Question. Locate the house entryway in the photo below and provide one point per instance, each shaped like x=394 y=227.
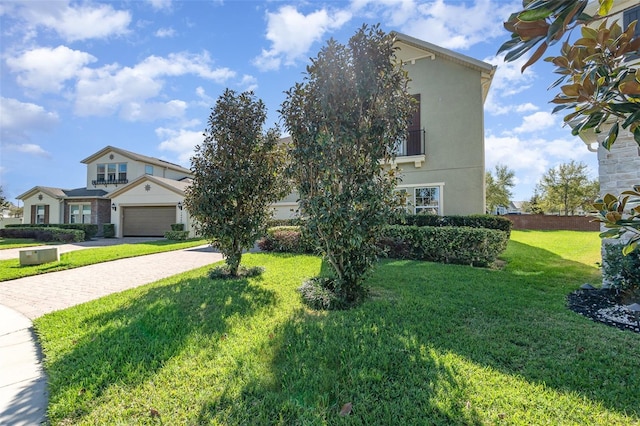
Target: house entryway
x=147 y=221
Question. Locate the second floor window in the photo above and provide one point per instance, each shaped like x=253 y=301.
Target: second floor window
x=101 y=172
x=122 y=171
x=111 y=172
x=148 y=169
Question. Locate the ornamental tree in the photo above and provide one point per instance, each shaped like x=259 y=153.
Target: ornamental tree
x=567 y=187
x=346 y=120
x=238 y=173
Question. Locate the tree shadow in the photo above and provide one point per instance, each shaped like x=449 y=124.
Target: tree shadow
x=134 y=341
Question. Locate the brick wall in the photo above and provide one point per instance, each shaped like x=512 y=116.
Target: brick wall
x=544 y=222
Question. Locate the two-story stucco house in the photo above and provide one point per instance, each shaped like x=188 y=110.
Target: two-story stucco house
x=442 y=160
x=141 y=195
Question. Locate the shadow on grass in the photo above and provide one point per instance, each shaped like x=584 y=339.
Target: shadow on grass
x=410 y=354
x=131 y=343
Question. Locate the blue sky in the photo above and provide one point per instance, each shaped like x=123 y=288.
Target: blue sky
x=143 y=76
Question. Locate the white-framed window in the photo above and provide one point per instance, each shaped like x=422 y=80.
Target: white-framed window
x=40 y=214
x=148 y=169
x=427 y=200
x=80 y=213
x=122 y=171
x=111 y=172
x=101 y=172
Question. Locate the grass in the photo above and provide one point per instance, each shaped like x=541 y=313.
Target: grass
x=12 y=243
x=435 y=344
x=11 y=269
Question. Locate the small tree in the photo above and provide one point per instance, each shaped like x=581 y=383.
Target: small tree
x=346 y=121
x=498 y=187
x=533 y=206
x=567 y=187
x=238 y=173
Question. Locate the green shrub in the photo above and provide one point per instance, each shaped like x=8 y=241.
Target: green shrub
x=272 y=223
x=90 y=230
x=44 y=234
x=473 y=221
x=446 y=244
x=108 y=230
x=622 y=272
x=285 y=239
x=177 y=226
x=176 y=235
x=223 y=272
x=318 y=294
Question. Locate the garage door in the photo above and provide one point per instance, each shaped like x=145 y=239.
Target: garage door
x=147 y=221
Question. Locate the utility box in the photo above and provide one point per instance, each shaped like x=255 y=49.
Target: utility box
x=39 y=256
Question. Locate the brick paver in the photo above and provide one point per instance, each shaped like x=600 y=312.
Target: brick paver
x=40 y=294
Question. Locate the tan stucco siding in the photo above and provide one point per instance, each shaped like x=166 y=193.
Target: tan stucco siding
x=55 y=207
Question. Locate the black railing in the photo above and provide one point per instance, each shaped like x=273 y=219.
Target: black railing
x=109 y=182
x=413 y=145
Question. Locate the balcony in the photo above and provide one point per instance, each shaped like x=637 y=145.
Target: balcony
x=109 y=182
x=413 y=145
x=412 y=149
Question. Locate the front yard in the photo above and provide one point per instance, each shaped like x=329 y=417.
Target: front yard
x=435 y=344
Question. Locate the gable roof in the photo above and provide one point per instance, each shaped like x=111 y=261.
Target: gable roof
x=61 y=194
x=430 y=50
x=137 y=157
x=177 y=186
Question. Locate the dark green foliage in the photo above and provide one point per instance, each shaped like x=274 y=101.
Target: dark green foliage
x=90 y=230
x=473 y=221
x=272 y=223
x=286 y=239
x=223 y=272
x=176 y=235
x=44 y=234
x=108 y=230
x=319 y=293
x=237 y=175
x=345 y=122
x=446 y=244
x=177 y=226
x=623 y=272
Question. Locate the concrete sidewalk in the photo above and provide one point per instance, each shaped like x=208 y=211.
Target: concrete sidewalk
x=23 y=398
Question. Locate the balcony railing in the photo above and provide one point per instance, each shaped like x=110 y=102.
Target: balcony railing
x=413 y=145
x=109 y=182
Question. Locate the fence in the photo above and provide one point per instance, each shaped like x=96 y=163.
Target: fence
x=546 y=222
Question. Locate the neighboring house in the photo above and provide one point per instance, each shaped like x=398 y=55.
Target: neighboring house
x=140 y=195
x=514 y=207
x=442 y=159
x=619 y=168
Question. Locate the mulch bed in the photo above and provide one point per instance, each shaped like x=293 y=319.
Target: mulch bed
x=607 y=306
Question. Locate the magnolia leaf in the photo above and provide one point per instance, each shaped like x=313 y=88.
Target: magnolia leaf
x=536 y=55
x=531 y=15
x=588 y=32
x=571 y=89
x=630 y=87
x=611 y=233
x=605 y=7
x=611 y=137
x=626 y=250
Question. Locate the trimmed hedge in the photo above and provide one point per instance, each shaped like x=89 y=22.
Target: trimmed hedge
x=90 y=230
x=108 y=230
x=176 y=235
x=285 y=239
x=44 y=234
x=177 y=226
x=444 y=244
x=472 y=221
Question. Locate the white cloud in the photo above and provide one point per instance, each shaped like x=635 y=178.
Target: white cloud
x=136 y=111
x=535 y=122
x=528 y=107
x=45 y=69
x=292 y=33
x=160 y=4
x=30 y=149
x=18 y=119
x=105 y=90
x=165 y=33
x=75 y=22
x=181 y=142
x=507 y=81
x=248 y=83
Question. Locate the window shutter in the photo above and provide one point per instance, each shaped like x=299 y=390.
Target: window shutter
x=46 y=214
x=33 y=214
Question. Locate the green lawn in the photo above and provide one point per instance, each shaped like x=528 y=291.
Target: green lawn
x=11 y=243
x=436 y=344
x=11 y=269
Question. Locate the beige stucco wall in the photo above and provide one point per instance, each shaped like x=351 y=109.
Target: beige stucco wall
x=55 y=207
x=135 y=169
x=157 y=195
x=452 y=115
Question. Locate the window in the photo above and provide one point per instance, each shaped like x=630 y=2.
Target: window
x=40 y=215
x=148 y=169
x=628 y=17
x=111 y=172
x=80 y=213
x=427 y=200
x=122 y=171
x=101 y=172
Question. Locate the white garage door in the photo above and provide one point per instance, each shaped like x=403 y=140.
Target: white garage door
x=147 y=221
